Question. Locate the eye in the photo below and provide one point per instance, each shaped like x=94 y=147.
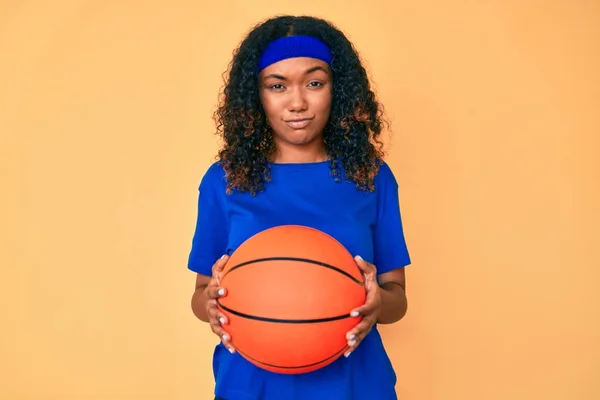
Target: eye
x=276 y=86
x=315 y=84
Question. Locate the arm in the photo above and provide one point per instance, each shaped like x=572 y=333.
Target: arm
x=209 y=241
x=385 y=303
x=391 y=253
x=393 y=296
x=204 y=301
x=207 y=290
x=385 y=282
x=199 y=298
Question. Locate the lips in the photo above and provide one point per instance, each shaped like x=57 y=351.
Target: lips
x=298 y=123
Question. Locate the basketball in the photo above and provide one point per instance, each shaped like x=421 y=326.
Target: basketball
x=290 y=291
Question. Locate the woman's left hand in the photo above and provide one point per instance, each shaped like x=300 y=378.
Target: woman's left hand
x=370 y=310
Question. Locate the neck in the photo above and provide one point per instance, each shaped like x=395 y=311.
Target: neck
x=300 y=154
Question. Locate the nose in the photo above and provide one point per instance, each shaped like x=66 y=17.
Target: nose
x=297 y=100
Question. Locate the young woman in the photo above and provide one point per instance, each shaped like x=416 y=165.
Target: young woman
x=300 y=128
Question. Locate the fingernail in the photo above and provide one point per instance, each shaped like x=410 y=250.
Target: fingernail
x=231 y=350
x=351 y=343
x=359 y=257
x=221 y=292
x=354 y=314
x=223 y=256
x=225 y=337
x=222 y=321
x=347 y=354
x=351 y=336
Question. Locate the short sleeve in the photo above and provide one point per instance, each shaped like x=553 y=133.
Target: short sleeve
x=209 y=241
x=390 y=249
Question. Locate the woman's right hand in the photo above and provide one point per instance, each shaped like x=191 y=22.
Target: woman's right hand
x=214 y=291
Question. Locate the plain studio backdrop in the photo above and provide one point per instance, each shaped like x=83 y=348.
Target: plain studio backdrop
x=105 y=118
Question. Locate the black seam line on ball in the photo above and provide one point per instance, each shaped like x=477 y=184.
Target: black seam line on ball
x=283 y=321
x=299 y=259
x=295 y=366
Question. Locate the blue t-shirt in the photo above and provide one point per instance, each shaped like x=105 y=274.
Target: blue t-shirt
x=366 y=223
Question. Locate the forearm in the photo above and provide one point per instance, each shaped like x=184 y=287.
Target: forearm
x=393 y=303
x=199 y=299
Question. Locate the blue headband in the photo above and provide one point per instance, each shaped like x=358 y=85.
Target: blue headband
x=294 y=46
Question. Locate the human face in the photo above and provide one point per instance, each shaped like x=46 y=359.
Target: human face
x=296 y=96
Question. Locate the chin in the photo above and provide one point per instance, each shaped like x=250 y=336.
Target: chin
x=301 y=141
x=299 y=137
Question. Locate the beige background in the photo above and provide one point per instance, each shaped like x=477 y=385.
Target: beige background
x=105 y=117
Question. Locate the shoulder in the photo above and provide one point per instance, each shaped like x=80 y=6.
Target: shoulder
x=385 y=177
x=213 y=184
x=214 y=177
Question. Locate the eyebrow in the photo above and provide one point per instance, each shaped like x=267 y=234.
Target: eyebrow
x=308 y=71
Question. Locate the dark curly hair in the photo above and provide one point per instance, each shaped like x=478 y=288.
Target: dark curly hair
x=351 y=135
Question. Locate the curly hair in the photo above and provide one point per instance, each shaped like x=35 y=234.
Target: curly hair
x=351 y=134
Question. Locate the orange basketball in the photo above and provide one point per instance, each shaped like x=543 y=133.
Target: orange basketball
x=290 y=291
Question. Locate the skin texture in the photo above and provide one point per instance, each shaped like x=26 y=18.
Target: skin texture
x=291 y=90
